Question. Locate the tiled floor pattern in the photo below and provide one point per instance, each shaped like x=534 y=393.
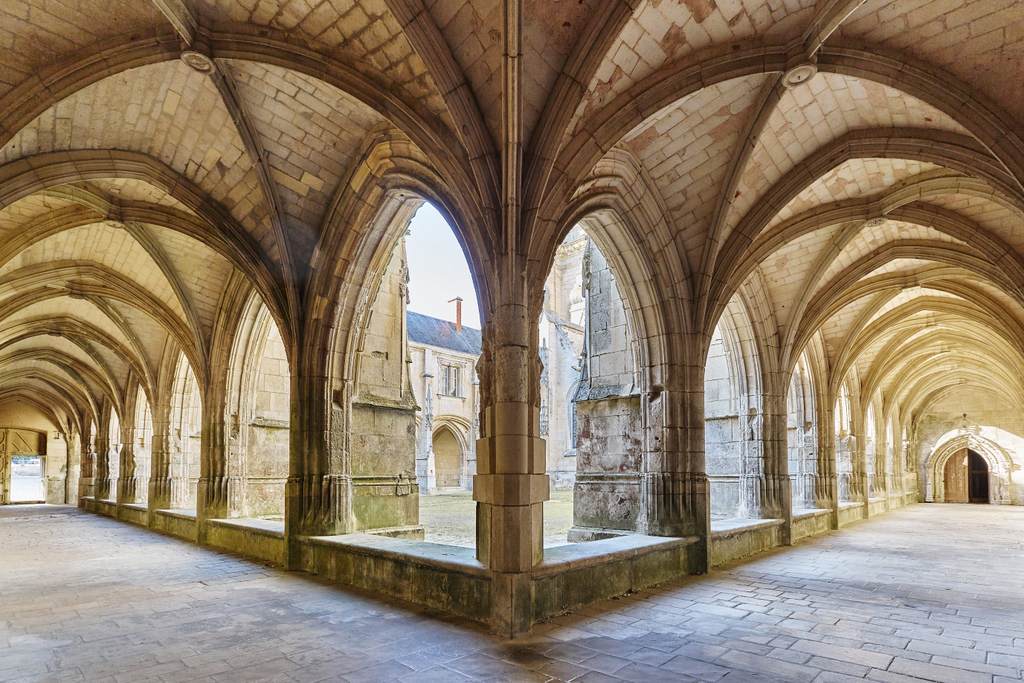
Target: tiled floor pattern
x=931 y=592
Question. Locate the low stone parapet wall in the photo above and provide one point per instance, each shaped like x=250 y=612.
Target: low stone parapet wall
x=575 y=575
x=177 y=523
x=811 y=522
x=443 y=577
x=850 y=512
x=735 y=538
x=257 y=538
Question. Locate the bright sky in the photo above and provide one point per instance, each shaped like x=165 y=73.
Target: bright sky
x=438 y=270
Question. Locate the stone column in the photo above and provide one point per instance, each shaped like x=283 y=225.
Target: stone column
x=859 y=459
x=511 y=483
x=318 y=495
x=777 y=489
x=126 y=476
x=161 y=480
x=675 y=492
x=74 y=464
x=101 y=488
x=87 y=478
x=214 y=488
x=826 y=490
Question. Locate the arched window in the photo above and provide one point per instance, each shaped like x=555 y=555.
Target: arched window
x=259 y=414
x=845 y=444
x=874 y=468
x=590 y=382
x=141 y=449
x=801 y=433
x=113 y=454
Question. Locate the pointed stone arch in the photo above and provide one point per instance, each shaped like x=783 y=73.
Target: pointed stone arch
x=998 y=460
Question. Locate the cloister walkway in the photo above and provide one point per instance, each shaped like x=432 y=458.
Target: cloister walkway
x=929 y=592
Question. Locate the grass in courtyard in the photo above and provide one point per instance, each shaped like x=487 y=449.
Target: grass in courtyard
x=450 y=518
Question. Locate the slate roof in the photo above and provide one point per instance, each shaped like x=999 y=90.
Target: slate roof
x=437 y=332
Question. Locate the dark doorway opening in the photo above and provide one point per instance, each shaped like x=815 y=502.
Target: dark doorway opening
x=977 y=478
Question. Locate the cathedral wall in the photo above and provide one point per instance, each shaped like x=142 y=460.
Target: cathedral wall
x=385 y=495
x=266 y=466
x=723 y=433
x=609 y=418
x=609 y=458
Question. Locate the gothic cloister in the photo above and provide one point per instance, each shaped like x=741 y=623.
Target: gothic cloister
x=802 y=294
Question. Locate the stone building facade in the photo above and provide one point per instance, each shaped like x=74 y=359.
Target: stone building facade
x=443 y=355
x=580 y=295
x=812 y=211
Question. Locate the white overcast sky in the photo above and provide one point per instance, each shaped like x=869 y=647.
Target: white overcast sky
x=438 y=270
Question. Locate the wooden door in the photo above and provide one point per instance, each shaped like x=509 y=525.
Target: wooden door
x=956 y=478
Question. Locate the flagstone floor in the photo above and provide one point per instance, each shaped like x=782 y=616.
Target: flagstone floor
x=926 y=593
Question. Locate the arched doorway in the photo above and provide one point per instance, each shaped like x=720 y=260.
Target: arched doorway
x=966 y=478
x=447 y=458
x=977 y=478
x=22 y=466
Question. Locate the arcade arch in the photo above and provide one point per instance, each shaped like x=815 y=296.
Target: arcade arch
x=957 y=451
x=812 y=214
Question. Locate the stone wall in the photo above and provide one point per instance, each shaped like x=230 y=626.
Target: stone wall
x=723 y=432
x=609 y=460
x=266 y=465
x=609 y=418
x=385 y=493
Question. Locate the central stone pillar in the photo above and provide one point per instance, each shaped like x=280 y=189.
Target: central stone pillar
x=511 y=483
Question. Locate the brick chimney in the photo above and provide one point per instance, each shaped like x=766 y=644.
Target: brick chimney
x=458 y=312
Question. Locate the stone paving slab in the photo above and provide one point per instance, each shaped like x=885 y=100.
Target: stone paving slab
x=926 y=593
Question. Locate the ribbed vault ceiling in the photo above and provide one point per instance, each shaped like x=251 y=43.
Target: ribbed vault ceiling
x=876 y=205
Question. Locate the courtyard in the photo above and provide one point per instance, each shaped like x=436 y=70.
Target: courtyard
x=450 y=518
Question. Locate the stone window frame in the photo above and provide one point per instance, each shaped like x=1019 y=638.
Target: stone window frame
x=445 y=367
